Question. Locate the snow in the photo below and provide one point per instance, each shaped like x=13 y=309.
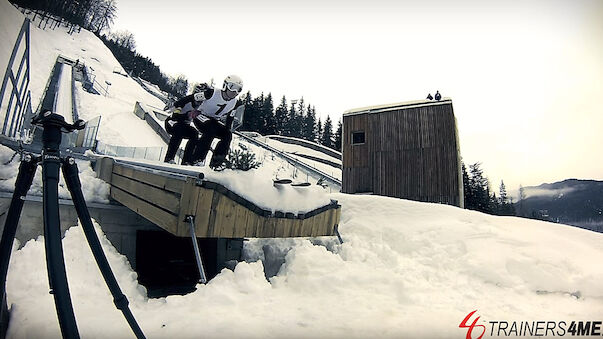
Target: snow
x=406 y=269
x=93 y=188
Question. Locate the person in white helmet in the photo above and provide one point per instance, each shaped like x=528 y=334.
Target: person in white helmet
x=215 y=120
x=178 y=125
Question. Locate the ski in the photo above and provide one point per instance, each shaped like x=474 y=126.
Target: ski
x=301 y=184
x=279 y=182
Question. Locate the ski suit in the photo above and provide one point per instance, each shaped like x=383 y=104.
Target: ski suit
x=213 y=109
x=179 y=126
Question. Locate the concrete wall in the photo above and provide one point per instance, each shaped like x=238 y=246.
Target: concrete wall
x=119 y=223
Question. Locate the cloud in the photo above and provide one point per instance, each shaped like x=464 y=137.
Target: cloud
x=542 y=192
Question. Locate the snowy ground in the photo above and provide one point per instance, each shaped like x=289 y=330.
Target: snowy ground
x=406 y=269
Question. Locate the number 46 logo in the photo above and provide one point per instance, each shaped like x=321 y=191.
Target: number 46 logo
x=472 y=326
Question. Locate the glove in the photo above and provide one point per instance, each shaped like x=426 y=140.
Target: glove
x=193 y=114
x=200 y=87
x=176 y=110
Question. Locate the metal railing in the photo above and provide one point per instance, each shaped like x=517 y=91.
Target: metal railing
x=19 y=86
x=148 y=153
x=298 y=164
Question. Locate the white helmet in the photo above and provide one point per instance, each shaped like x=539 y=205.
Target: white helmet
x=233 y=83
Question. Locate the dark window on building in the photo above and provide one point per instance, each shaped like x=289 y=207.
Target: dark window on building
x=357 y=137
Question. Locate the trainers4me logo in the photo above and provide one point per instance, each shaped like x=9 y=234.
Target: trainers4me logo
x=473 y=326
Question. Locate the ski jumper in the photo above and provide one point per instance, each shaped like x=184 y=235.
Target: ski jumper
x=179 y=126
x=213 y=109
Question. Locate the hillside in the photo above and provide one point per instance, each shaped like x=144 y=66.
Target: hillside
x=572 y=201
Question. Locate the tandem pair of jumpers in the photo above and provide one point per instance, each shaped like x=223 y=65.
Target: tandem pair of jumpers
x=206 y=108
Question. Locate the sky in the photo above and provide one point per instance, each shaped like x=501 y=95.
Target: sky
x=525 y=77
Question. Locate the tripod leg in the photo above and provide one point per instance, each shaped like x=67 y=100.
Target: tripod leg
x=70 y=173
x=55 y=261
x=27 y=171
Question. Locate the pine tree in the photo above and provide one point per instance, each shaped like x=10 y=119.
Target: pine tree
x=467 y=191
x=506 y=205
x=281 y=117
x=268 y=117
x=291 y=127
x=318 y=131
x=179 y=84
x=480 y=187
x=327 y=133
x=308 y=126
x=258 y=121
x=250 y=112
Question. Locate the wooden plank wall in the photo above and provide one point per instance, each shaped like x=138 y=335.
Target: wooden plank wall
x=217 y=216
x=410 y=153
x=166 y=201
x=155 y=197
x=356 y=167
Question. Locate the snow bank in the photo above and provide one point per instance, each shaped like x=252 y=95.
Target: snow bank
x=93 y=188
x=259 y=189
x=406 y=269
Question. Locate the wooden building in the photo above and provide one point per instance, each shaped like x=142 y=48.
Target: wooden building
x=406 y=150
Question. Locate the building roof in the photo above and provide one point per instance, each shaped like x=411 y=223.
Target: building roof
x=397 y=106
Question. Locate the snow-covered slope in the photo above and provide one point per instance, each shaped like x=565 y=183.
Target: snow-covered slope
x=119 y=126
x=406 y=269
x=296 y=150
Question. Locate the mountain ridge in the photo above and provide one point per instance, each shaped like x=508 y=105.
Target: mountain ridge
x=577 y=202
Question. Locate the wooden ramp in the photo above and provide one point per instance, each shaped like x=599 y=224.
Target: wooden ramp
x=166 y=197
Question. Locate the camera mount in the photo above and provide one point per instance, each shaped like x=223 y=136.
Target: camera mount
x=54 y=126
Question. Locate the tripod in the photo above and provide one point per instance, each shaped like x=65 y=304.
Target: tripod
x=54 y=125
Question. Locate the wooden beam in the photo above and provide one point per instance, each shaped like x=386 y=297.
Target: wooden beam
x=156 y=196
x=189 y=198
x=203 y=211
x=154 y=214
x=160 y=181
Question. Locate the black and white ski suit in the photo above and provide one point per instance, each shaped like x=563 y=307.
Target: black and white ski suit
x=178 y=125
x=213 y=110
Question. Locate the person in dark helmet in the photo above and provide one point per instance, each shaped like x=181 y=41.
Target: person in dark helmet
x=178 y=125
x=215 y=120
x=438 y=96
